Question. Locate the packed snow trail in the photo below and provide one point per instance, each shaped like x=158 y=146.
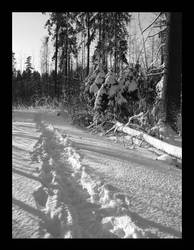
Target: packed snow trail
x=88 y=187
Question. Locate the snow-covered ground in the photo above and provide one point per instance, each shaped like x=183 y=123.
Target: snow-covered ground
x=68 y=183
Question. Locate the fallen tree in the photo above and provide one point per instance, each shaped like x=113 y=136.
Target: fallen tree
x=161 y=145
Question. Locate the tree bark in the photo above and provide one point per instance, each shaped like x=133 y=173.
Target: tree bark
x=56 y=57
x=100 y=35
x=115 y=43
x=104 y=41
x=174 y=81
x=153 y=46
x=88 y=43
x=83 y=55
x=66 y=55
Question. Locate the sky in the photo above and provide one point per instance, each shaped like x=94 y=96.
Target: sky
x=27 y=32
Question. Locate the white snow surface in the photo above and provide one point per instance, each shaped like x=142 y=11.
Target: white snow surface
x=61 y=189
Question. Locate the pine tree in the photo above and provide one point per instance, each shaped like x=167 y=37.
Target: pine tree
x=13 y=64
x=53 y=25
x=112 y=37
x=86 y=24
x=28 y=64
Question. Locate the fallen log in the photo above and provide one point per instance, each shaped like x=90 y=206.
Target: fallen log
x=161 y=145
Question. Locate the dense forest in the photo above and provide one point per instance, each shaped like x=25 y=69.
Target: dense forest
x=105 y=71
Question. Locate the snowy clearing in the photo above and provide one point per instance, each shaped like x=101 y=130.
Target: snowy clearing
x=70 y=184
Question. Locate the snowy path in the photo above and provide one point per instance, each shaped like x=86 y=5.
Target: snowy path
x=87 y=186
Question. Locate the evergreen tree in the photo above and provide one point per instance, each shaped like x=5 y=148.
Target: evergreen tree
x=112 y=37
x=64 y=34
x=13 y=64
x=86 y=23
x=28 y=64
x=53 y=25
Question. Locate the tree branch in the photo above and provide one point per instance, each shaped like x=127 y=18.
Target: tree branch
x=156 y=33
x=142 y=47
x=152 y=22
x=161 y=45
x=154 y=74
x=143 y=41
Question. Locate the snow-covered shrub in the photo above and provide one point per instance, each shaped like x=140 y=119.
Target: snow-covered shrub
x=118 y=96
x=128 y=92
x=121 y=97
x=92 y=84
x=106 y=92
x=97 y=82
x=128 y=80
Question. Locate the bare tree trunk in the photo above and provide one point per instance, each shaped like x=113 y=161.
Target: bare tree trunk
x=174 y=81
x=162 y=34
x=115 y=43
x=83 y=55
x=77 y=63
x=104 y=41
x=129 y=48
x=66 y=58
x=88 y=43
x=143 y=40
x=100 y=36
x=56 y=61
x=69 y=66
x=153 y=45
x=111 y=61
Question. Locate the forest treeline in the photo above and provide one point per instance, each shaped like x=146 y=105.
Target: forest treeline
x=99 y=68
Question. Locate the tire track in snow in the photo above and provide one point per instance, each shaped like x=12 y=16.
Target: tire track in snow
x=75 y=204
